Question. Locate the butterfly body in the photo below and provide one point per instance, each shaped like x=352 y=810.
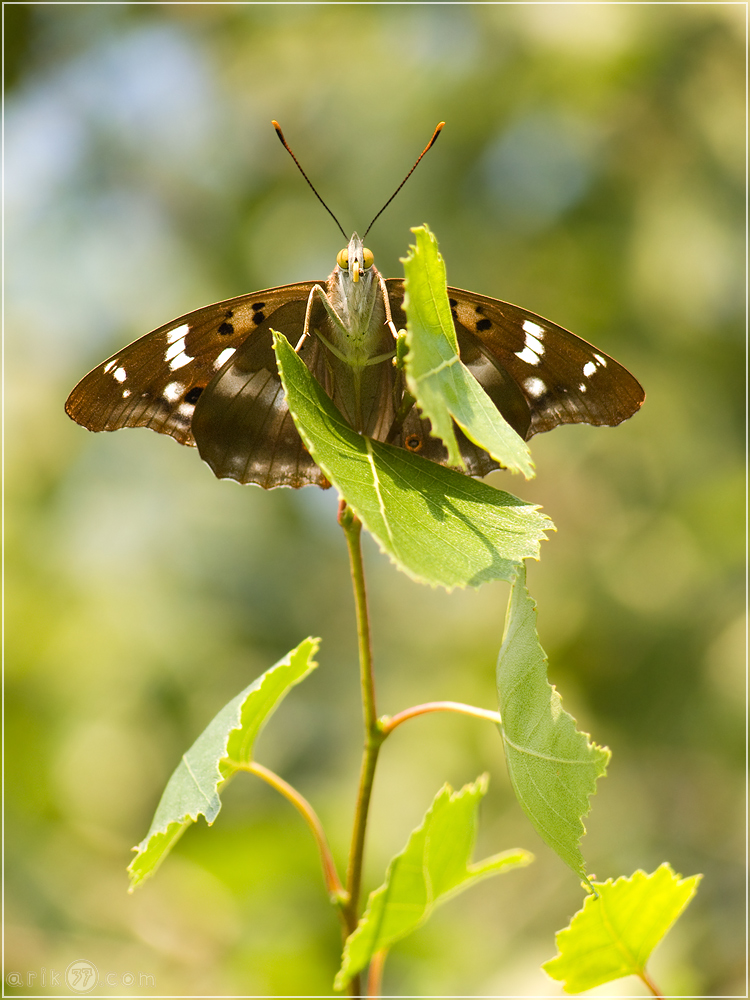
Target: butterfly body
x=209 y=378
x=358 y=337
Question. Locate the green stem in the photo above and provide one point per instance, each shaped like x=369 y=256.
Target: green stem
x=352 y=527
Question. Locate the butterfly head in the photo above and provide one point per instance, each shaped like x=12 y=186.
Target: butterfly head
x=355 y=259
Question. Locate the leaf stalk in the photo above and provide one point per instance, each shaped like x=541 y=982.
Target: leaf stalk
x=335 y=889
x=389 y=723
x=650 y=984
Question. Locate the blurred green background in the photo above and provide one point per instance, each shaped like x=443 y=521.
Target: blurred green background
x=592 y=170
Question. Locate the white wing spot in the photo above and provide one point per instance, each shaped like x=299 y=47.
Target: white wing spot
x=533 y=344
x=176 y=348
x=179 y=361
x=582 y=387
x=533 y=328
x=178 y=333
x=588 y=369
x=173 y=391
x=110 y=365
x=535 y=387
x=125 y=393
x=529 y=356
x=225 y=355
x=602 y=361
x=120 y=374
x=186 y=409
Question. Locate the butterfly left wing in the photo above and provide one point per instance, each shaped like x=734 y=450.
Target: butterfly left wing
x=538 y=374
x=156 y=381
x=564 y=379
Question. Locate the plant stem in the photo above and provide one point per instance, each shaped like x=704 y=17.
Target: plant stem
x=352 y=528
x=652 y=987
x=375 y=973
x=333 y=883
x=389 y=724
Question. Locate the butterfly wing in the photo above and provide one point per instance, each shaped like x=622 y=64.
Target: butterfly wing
x=209 y=378
x=564 y=379
x=538 y=374
x=156 y=381
x=415 y=432
x=242 y=425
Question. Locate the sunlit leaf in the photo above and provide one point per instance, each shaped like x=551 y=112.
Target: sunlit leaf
x=433 y=867
x=223 y=747
x=445 y=390
x=616 y=931
x=437 y=525
x=553 y=766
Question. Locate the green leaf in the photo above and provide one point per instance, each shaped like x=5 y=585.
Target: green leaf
x=445 y=390
x=220 y=751
x=433 y=867
x=553 y=767
x=616 y=931
x=439 y=526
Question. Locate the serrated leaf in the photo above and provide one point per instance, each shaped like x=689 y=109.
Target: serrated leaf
x=438 y=526
x=553 y=767
x=223 y=747
x=445 y=390
x=433 y=867
x=615 y=932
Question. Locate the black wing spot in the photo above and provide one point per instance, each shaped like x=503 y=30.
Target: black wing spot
x=226 y=329
x=454 y=314
x=413 y=442
x=258 y=318
x=484 y=324
x=257 y=306
x=479 y=310
x=229 y=313
x=453 y=303
x=194 y=394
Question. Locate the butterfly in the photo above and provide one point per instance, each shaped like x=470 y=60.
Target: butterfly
x=209 y=378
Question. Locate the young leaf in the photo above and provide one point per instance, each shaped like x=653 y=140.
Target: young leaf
x=433 y=867
x=616 y=931
x=438 y=526
x=222 y=748
x=445 y=390
x=553 y=767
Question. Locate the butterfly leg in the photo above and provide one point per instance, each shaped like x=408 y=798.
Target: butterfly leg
x=308 y=312
x=386 y=302
x=334 y=316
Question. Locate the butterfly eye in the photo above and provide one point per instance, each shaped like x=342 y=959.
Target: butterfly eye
x=369 y=260
x=342 y=259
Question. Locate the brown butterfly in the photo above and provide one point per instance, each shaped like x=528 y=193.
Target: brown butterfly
x=209 y=378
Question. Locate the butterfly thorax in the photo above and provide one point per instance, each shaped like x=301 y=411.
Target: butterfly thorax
x=360 y=344
x=356 y=297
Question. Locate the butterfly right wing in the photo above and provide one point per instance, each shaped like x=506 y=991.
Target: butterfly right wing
x=156 y=381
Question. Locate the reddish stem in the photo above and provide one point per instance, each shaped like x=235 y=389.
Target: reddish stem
x=375 y=973
x=389 y=724
x=332 y=880
x=650 y=984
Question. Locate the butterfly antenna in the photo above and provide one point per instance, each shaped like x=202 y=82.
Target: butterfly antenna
x=429 y=145
x=288 y=148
